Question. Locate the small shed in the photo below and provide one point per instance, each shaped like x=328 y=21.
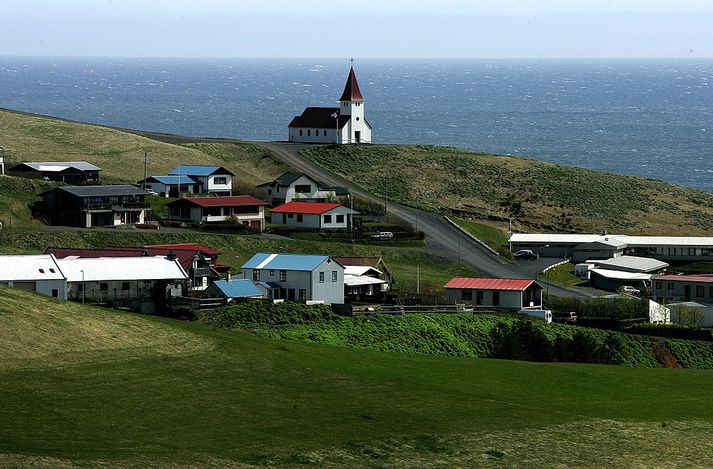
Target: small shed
x=503 y=293
x=233 y=289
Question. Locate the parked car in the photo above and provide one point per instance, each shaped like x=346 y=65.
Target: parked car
x=543 y=314
x=629 y=290
x=524 y=254
x=566 y=318
x=383 y=235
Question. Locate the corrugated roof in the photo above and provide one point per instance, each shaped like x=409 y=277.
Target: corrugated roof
x=620 y=275
x=198 y=170
x=29 y=268
x=360 y=270
x=310 y=208
x=185 y=257
x=554 y=238
x=319 y=118
x=686 y=278
x=633 y=263
x=105 y=190
x=351 y=88
x=699 y=241
x=301 y=262
x=121 y=268
x=172 y=179
x=238 y=288
x=57 y=166
x=224 y=201
x=509 y=284
x=630 y=241
x=356 y=280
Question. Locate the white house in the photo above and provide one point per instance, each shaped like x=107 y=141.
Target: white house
x=513 y=294
x=297 y=277
x=245 y=209
x=313 y=215
x=300 y=187
x=214 y=180
x=40 y=274
x=343 y=124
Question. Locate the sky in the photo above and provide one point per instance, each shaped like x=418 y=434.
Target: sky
x=364 y=29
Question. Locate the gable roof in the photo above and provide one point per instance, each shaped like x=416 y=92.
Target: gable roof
x=224 y=201
x=301 y=262
x=99 y=191
x=351 y=88
x=238 y=288
x=287 y=178
x=183 y=254
x=320 y=118
x=59 y=166
x=198 y=170
x=171 y=179
x=632 y=263
x=307 y=208
x=702 y=278
x=29 y=268
x=508 y=284
x=121 y=268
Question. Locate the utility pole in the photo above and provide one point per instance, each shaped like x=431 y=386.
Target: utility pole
x=143 y=185
x=84 y=288
x=418 y=279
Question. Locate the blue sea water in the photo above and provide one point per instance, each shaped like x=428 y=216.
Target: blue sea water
x=651 y=118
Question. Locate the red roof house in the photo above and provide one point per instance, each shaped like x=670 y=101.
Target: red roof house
x=312 y=215
x=244 y=209
x=501 y=293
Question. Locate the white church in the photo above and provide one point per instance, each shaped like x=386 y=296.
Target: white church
x=343 y=124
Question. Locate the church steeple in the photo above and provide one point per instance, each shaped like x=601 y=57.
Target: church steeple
x=351 y=89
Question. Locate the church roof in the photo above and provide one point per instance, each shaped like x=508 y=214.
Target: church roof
x=351 y=89
x=319 y=118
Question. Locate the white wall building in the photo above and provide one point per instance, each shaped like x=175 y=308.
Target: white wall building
x=40 y=274
x=300 y=187
x=321 y=216
x=345 y=124
x=214 y=180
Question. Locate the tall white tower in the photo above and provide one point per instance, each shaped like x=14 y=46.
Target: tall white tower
x=357 y=130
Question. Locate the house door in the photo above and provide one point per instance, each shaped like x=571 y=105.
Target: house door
x=357 y=136
x=687 y=293
x=291 y=294
x=284 y=218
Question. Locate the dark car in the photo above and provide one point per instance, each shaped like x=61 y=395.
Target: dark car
x=524 y=254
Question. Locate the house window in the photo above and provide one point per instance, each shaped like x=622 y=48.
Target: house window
x=272 y=273
x=334 y=276
x=670 y=285
x=300 y=218
x=300 y=132
x=256 y=275
x=103 y=286
x=283 y=276
x=328 y=219
x=303 y=188
x=321 y=277
x=479 y=297
x=466 y=295
x=659 y=285
x=125 y=286
x=220 y=180
x=700 y=291
x=496 y=298
x=290 y=215
x=302 y=294
x=55 y=293
x=340 y=218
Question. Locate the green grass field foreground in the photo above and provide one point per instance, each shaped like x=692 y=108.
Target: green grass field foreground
x=89 y=387
x=535 y=195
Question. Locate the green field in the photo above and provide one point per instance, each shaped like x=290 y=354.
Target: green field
x=490 y=235
x=535 y=195
x=88 y=387
x=562 y=275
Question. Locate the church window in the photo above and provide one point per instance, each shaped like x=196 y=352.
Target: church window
x=325 y=133
x=309 y=132
x=300 y=132
x=357 y=118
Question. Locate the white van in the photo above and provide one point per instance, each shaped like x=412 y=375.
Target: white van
x=543 y=314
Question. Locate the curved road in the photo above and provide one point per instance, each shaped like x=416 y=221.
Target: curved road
x=444 y=240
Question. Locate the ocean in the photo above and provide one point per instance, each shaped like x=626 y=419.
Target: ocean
x=650 y=118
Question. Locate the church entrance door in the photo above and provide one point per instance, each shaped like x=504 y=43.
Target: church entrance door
x=357 y=136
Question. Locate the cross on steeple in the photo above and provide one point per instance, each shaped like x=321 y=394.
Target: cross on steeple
x=352 y=60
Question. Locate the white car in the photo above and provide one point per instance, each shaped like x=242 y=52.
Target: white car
x=383 y=235
x=629 y=290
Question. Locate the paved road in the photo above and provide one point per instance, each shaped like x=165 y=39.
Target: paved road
x=444 y=240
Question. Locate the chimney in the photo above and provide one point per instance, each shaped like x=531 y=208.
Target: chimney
x=229 y=276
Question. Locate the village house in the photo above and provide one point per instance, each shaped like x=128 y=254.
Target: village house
x=365 y=278
x=171 y=186
x=69 y=172
x=690 y=291
x=313 y=215
x=213 y=180
x=300 y=187
x=501 y=293
x=143 y=284
x=244 y=209
x=232 y=290
x=89 y=206
x=297 y=277
x=612 y=274
x=38 y=273
x=200 y=262
x=343 y=124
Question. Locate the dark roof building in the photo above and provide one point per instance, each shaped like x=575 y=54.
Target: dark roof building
x=71 y=172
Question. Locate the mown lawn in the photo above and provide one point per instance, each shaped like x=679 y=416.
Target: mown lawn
x=135 y=391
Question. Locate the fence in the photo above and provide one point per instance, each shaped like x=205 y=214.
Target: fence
x=399 y=309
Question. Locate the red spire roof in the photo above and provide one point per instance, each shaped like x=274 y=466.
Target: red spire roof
x=351 y=89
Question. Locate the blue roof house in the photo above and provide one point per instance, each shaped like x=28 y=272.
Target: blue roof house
x=297 y=277
x=214 y=180
x=171 y=186
x=233 y=289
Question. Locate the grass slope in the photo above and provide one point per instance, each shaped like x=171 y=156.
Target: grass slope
x=132 y=395
x=536 y=195
x=15 y=196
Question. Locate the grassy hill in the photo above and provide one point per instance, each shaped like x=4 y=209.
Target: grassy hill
x=88 y=387
x=538 y=196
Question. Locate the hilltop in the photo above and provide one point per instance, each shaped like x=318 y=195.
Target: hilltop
x=535 y=195
x=159 y=392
